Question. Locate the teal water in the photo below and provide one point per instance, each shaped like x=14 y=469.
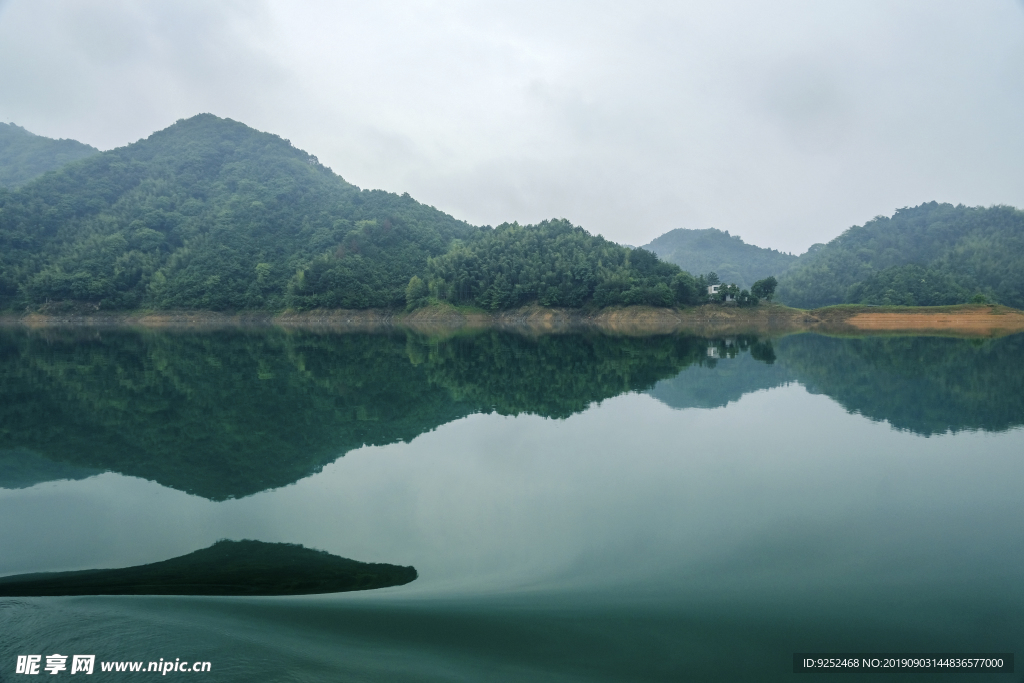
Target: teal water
x=578 y=507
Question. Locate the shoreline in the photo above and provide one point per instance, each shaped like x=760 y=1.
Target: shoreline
x=975 y=320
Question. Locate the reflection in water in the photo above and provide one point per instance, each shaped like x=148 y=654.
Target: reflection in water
x=227 y=415
x=629 y=538
x=230 y=414
x=927 y=385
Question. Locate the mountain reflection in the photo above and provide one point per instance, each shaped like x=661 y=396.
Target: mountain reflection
x=228 y=414
x=926 y=385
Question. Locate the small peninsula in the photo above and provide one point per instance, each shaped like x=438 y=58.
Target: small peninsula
x=225 y=568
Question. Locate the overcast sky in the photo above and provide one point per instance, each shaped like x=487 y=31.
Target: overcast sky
x=783 y=122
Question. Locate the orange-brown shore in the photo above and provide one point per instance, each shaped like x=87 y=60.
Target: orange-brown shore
x=974 y=320
x=966 y=320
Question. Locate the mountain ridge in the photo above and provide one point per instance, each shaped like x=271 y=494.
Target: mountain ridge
x=701 y=251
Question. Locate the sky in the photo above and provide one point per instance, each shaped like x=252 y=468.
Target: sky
x=783 y=122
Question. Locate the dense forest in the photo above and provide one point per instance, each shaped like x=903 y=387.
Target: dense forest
x=712 y=250
x=24 y=156
x=555 y=264
x=928 y=255
x=210 y=214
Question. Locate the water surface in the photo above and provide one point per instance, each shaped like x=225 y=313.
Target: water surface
x=578 y=507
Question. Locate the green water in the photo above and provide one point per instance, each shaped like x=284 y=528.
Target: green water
x=578 y=507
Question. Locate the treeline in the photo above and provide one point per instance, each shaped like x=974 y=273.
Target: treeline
x=932 y=254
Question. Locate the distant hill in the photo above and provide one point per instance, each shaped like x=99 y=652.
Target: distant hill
x=24 y=155
x=210 y=214
x=712 y=250
x=932 y=254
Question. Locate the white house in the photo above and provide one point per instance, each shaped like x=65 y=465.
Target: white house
x=713 y=289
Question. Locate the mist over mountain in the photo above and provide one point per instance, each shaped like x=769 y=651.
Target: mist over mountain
x=712 y=250
x=25 y=156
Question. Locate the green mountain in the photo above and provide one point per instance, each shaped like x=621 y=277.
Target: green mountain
x=24 y=155
x=932 y=254
x=211 y=214
x=712 y=250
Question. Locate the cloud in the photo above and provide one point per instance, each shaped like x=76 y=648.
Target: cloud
x=784 y=123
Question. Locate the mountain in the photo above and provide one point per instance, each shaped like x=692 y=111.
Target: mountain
x=932 y=254
x=210 y=214
x=24 y=155
x=712 y=250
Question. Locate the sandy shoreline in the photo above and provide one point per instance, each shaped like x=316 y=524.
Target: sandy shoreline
x=966 y=320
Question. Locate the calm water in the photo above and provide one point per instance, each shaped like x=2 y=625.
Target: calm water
x=579 y=507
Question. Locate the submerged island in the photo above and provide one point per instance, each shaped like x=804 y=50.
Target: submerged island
x=225 y=568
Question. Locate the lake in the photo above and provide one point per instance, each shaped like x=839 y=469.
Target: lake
x=578 y=507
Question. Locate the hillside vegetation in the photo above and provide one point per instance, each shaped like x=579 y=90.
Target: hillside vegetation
x=555 y=264
x=210 y=214
x=712 y=250
x=929 y=255
x=24 y=155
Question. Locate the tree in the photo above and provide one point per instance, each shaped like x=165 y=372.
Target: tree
x=415 y=293
x=764 y=289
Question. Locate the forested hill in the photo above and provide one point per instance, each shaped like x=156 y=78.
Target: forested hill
x=712 y=250
x=210 y=214
x=24 y=155
x=932 y=254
